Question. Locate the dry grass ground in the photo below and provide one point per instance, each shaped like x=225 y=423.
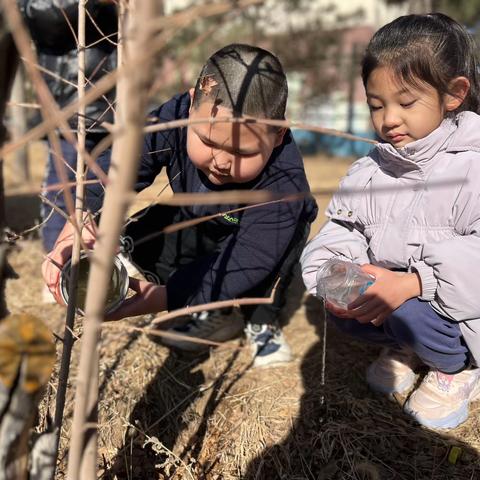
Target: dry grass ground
x=166 y=416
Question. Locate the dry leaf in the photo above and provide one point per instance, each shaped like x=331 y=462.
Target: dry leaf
x=207 y=83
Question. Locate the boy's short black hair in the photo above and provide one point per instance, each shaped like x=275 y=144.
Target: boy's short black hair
x=245 y=79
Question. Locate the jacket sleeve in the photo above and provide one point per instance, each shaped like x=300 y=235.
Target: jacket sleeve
x=162 y=148
x=335 y=239
x=48 y=22
x=449 y=269
x=342 y=235
x=240 y=264
x=156 y=153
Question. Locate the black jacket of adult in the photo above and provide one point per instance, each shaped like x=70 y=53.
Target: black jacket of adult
x=53 y=26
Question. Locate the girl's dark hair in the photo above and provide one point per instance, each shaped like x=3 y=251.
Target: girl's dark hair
x=245 y=79
x=429 y=48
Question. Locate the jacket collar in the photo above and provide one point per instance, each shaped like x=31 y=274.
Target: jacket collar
x=467 y=135
x=416 y=155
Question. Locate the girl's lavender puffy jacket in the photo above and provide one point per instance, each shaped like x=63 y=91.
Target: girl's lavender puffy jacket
x=415 y=208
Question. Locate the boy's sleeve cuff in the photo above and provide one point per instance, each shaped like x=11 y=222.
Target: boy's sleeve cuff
x=429 y=282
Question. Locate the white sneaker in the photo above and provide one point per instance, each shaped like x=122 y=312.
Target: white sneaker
x=214 y=325
x=268 y=345
x=393 y=371
x=442 y=401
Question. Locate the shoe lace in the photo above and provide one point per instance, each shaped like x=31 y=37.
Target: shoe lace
x=204 y=320
x=262 y=335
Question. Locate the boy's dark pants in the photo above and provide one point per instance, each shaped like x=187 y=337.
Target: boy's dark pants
x=160 y=255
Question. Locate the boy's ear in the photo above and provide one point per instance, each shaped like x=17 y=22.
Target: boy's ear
x=459 y=88
x=279 y=136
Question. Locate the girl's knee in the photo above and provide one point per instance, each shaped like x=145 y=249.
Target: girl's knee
x=409 y=322
x=365 y=332
x=401 y=328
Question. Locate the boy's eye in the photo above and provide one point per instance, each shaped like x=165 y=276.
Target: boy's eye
x=243 y=154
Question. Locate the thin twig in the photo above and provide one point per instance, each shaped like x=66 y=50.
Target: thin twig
x=50 y=111
x=79 y=200
x=107 y=82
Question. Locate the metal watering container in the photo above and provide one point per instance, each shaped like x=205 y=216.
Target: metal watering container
x=117 y=290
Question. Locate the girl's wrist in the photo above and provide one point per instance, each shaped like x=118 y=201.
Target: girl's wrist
x=412 y=285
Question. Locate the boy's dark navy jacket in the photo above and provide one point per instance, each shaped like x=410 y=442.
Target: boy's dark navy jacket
x=251 y=243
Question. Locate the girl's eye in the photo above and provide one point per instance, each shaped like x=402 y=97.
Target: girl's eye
x=374 y=108
x=408 y=104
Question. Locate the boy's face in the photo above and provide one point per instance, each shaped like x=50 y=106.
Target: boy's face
x=229 y=152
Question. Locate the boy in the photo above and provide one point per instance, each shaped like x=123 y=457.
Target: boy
x=236 y=255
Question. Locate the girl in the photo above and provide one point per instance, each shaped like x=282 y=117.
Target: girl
x=416 y=224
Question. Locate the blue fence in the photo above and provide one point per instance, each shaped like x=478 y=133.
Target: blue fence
x=311 y=143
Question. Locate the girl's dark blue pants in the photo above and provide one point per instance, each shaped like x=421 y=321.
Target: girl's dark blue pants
x=436 y=340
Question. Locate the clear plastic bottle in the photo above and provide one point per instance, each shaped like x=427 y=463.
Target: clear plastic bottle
x=341 y=282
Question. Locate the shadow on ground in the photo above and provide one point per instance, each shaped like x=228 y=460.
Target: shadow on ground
x=183 y=387
x=345 y=432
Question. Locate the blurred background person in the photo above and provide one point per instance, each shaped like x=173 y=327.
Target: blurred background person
x=53 y=25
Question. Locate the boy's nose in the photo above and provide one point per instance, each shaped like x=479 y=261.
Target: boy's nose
x=222 y=161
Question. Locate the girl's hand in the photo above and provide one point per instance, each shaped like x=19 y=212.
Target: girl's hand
x=389 y=291
x=149 y=298
x=61 y=253
x=337 y=311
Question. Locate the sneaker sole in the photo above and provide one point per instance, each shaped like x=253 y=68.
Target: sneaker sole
x=449 y=422
x=192 y=346
x=265 y=362
x=446 y=423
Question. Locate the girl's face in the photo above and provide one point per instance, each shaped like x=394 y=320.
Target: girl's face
x=402 y=113
x=229 y=152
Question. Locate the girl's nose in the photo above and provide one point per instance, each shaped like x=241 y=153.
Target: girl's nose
x=391 y=118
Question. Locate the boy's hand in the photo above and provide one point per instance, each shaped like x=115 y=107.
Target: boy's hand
x=390 y=290
x=149 y=298
x=61 y=253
